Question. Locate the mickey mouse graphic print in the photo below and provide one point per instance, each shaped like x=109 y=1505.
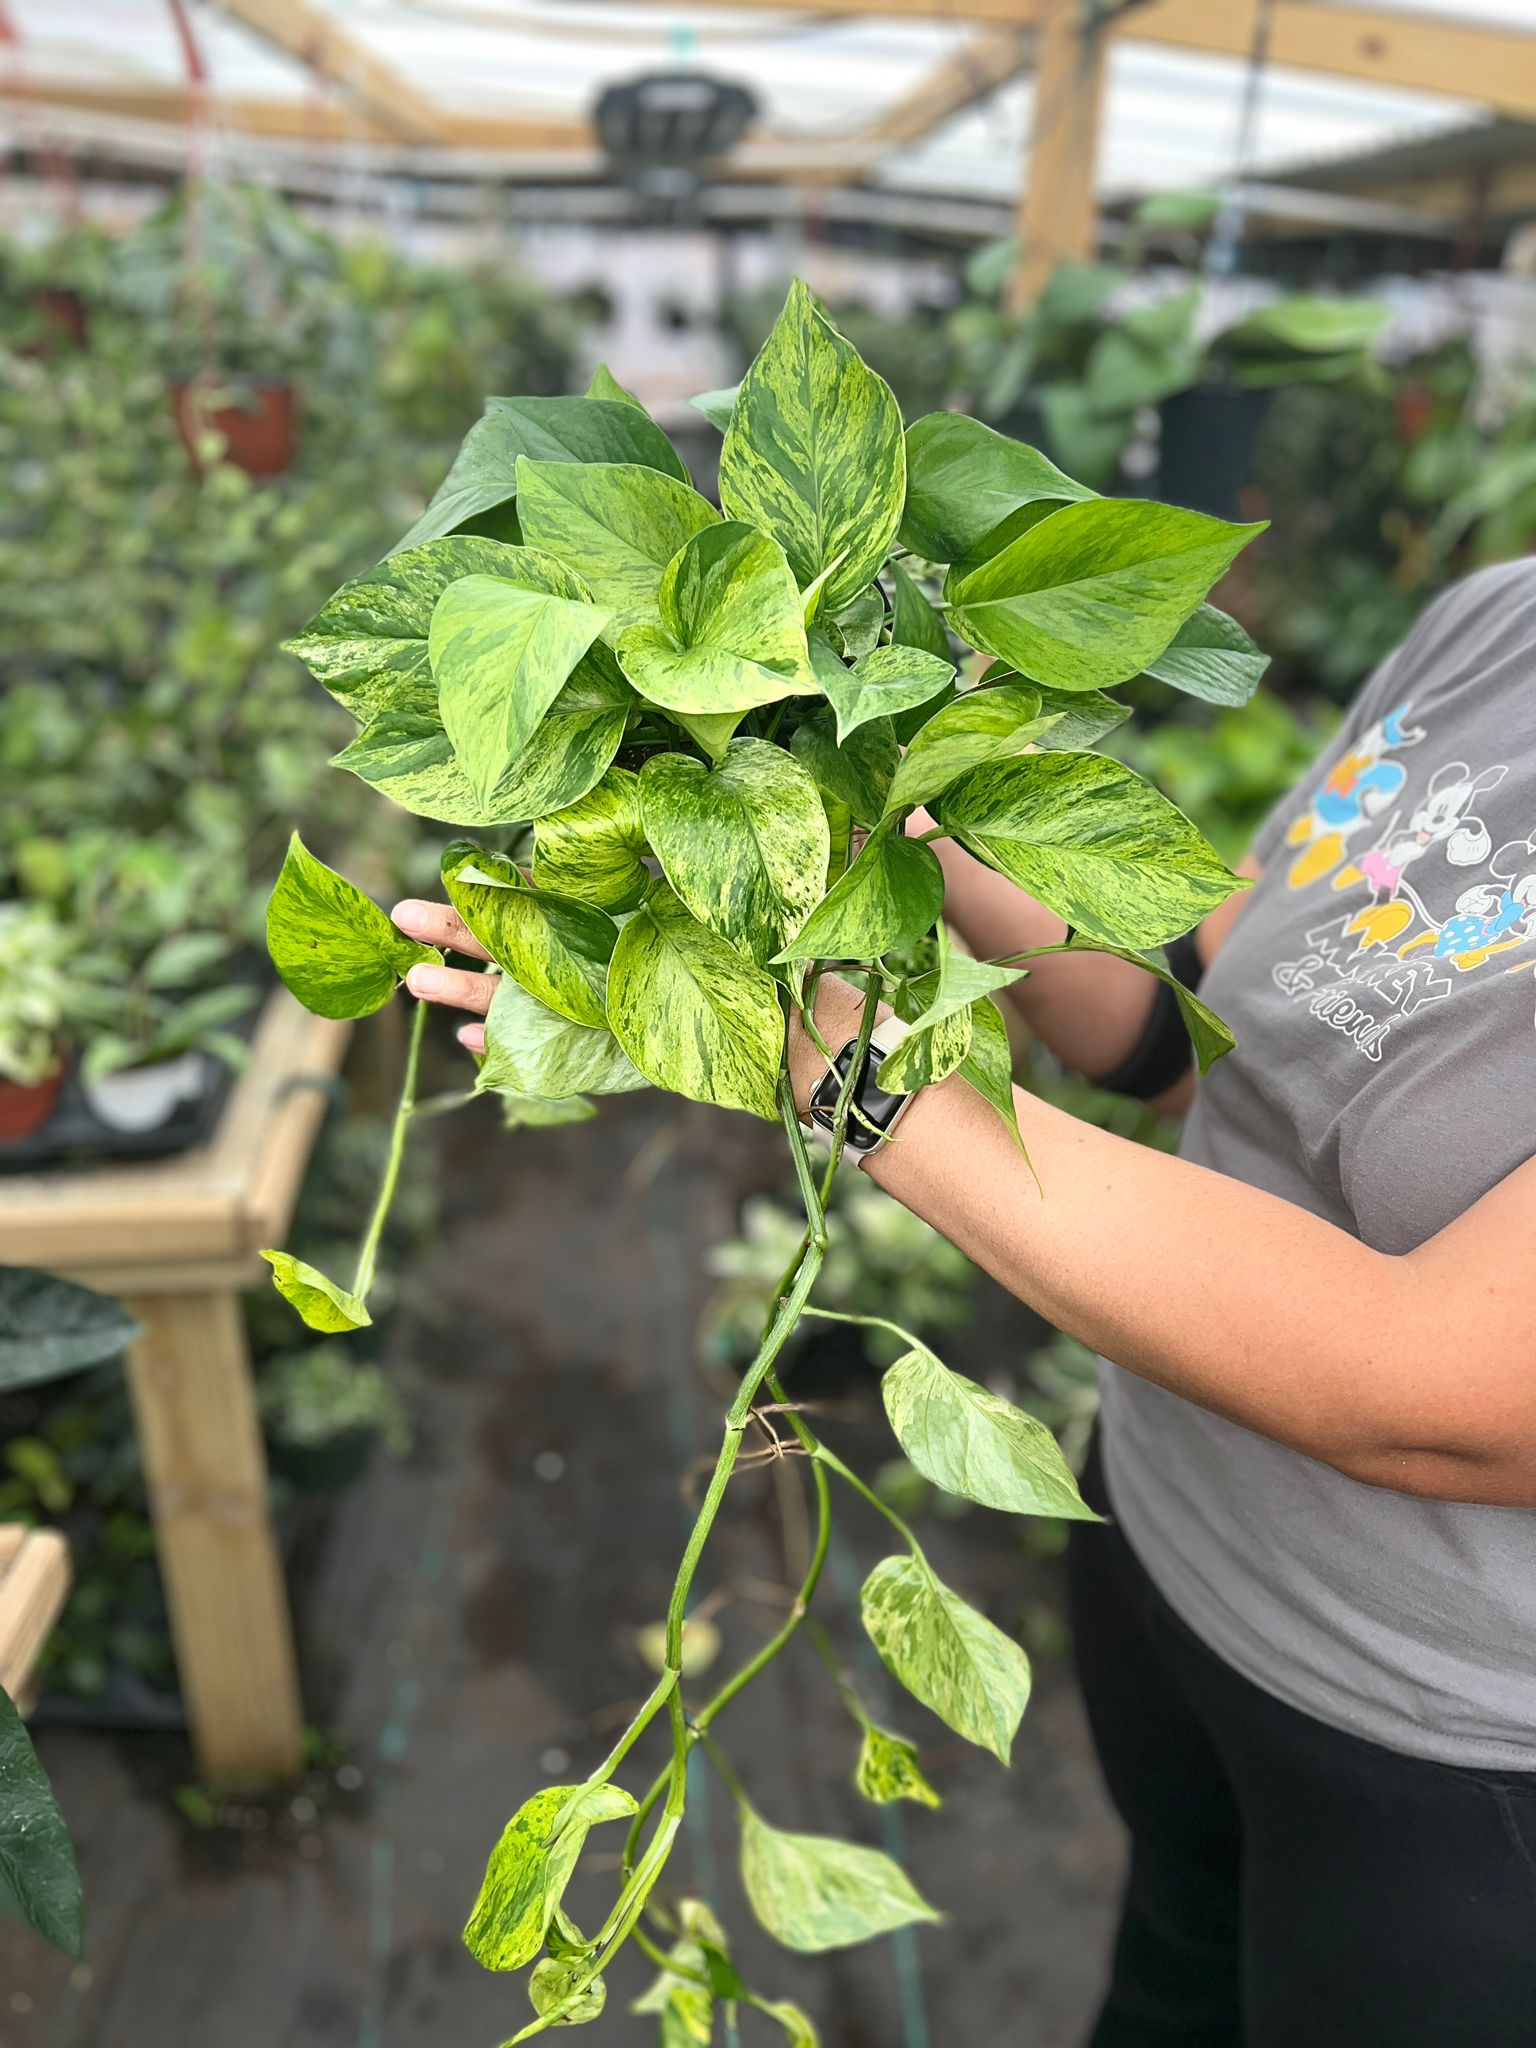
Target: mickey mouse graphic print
x=1381 y=980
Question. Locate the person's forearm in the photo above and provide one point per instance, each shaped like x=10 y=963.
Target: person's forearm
x=1225 y=1295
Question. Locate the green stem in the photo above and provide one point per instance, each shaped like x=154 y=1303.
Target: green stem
x=829 y=1657
x=835 y=1464
x=368 y=1256
x=837 y=1315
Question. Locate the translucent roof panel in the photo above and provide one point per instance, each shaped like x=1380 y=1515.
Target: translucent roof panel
x=1172 y=118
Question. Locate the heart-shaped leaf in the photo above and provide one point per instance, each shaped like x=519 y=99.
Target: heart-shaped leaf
x=983 y=726
x=888 y=1770
x=859 y=772
x=1092 y=840
x=595 y=848
x=323 y=1305
x=963 y=478
x=333 y=946
x=530 y=1867
x=501 y=656
x=890 y=896
x=692 y=1013
x=616 y=524
x=745 y=845
x=814 y=1893
x=532 y=1052
x=947 y=1655
x=886 y=681
x=976 y=1444
x=1086 y=598
x=483 y=478
x=814 y=453
x=557 y=947
x=731 y=634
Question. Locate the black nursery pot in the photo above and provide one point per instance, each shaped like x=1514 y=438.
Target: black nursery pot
x=1210 y=435
x=328 y=1467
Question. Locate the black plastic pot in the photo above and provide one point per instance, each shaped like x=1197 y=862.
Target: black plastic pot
x=1210 y=435
x=328 y=1467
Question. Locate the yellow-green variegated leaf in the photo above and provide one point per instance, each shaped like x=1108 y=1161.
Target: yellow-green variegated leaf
x=799 y=2029
x=859 y=772
x=888 y=1770
x=745 y=845
x=890 y=896
x=408 y=757
x=533 y=1053
x=323 y=1304
x=483 y=479
x=939 y=1009
x=985 y=725
x=814 y=1893
x=814 y=452
x=530 y=1867
x=926 y=1054
x=731 y=632
x=1092 y=840
x=616 y=524
x=1088 y=597
x=501 y=656
x=988 y=1066
x=367 y=644
x=949 y=1657
x=692 y=1013
x=964 y=478
x=332 y=945
x=595 y=848
x=975 y=1444
x=552 y=1984
x=882 y=683
x=556 y=947
x=857 y=625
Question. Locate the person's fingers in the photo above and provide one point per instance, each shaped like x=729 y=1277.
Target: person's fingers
x=471 y=1037
x=450 y=985
x=435 y=924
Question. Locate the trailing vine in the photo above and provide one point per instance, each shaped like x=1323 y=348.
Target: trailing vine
x=696 y=742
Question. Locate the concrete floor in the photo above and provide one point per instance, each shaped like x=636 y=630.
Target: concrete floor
x=468 y=1626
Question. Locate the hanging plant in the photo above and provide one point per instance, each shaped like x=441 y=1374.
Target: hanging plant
x=698 y=712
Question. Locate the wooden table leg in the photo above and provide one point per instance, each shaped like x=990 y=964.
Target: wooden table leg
x=195 y=1410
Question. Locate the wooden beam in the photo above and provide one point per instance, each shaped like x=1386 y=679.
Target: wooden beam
x=978 y=68
x=295 y=120
x=1057 y=219
x=302 y=29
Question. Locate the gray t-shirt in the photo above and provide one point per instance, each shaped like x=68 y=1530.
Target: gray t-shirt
x=1381 y=981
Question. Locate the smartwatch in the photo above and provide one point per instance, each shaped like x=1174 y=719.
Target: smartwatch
x=872 y=1113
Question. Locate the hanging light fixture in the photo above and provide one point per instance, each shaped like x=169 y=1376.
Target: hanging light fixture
x=663 y=132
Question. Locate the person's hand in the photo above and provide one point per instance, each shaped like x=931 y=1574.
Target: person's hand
x=435 y=924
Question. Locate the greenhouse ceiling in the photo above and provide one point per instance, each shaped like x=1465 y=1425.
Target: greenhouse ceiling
x=921 y=97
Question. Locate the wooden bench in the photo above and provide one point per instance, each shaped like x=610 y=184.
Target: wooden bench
x=34 y=1584
x=176 y=1241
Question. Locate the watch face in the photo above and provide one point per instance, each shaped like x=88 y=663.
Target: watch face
x=875 y=1108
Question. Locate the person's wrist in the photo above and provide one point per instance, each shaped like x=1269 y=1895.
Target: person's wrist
x=839 y=1009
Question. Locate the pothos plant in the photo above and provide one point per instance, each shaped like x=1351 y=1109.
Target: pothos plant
x=690 y=740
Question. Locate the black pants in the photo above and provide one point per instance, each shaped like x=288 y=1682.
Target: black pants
x=1290 y=1885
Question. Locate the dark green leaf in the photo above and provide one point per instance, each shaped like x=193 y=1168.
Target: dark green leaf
x=857 y=773
x=1091 y=595
x=1092 y=840
x=857 y=625
x=814 y=454
x=50 y=1327
x=38 y=1878
x=947 y=1655
x=891 y=895
x=484 y=472
x=334 y=948
x=1211 y=657
x=814 y=1893
x=745 y=845
x=963 y=477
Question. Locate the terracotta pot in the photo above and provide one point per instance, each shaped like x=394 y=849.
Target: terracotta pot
x=24 y=1109
x=259 y=437
x=61 y=316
